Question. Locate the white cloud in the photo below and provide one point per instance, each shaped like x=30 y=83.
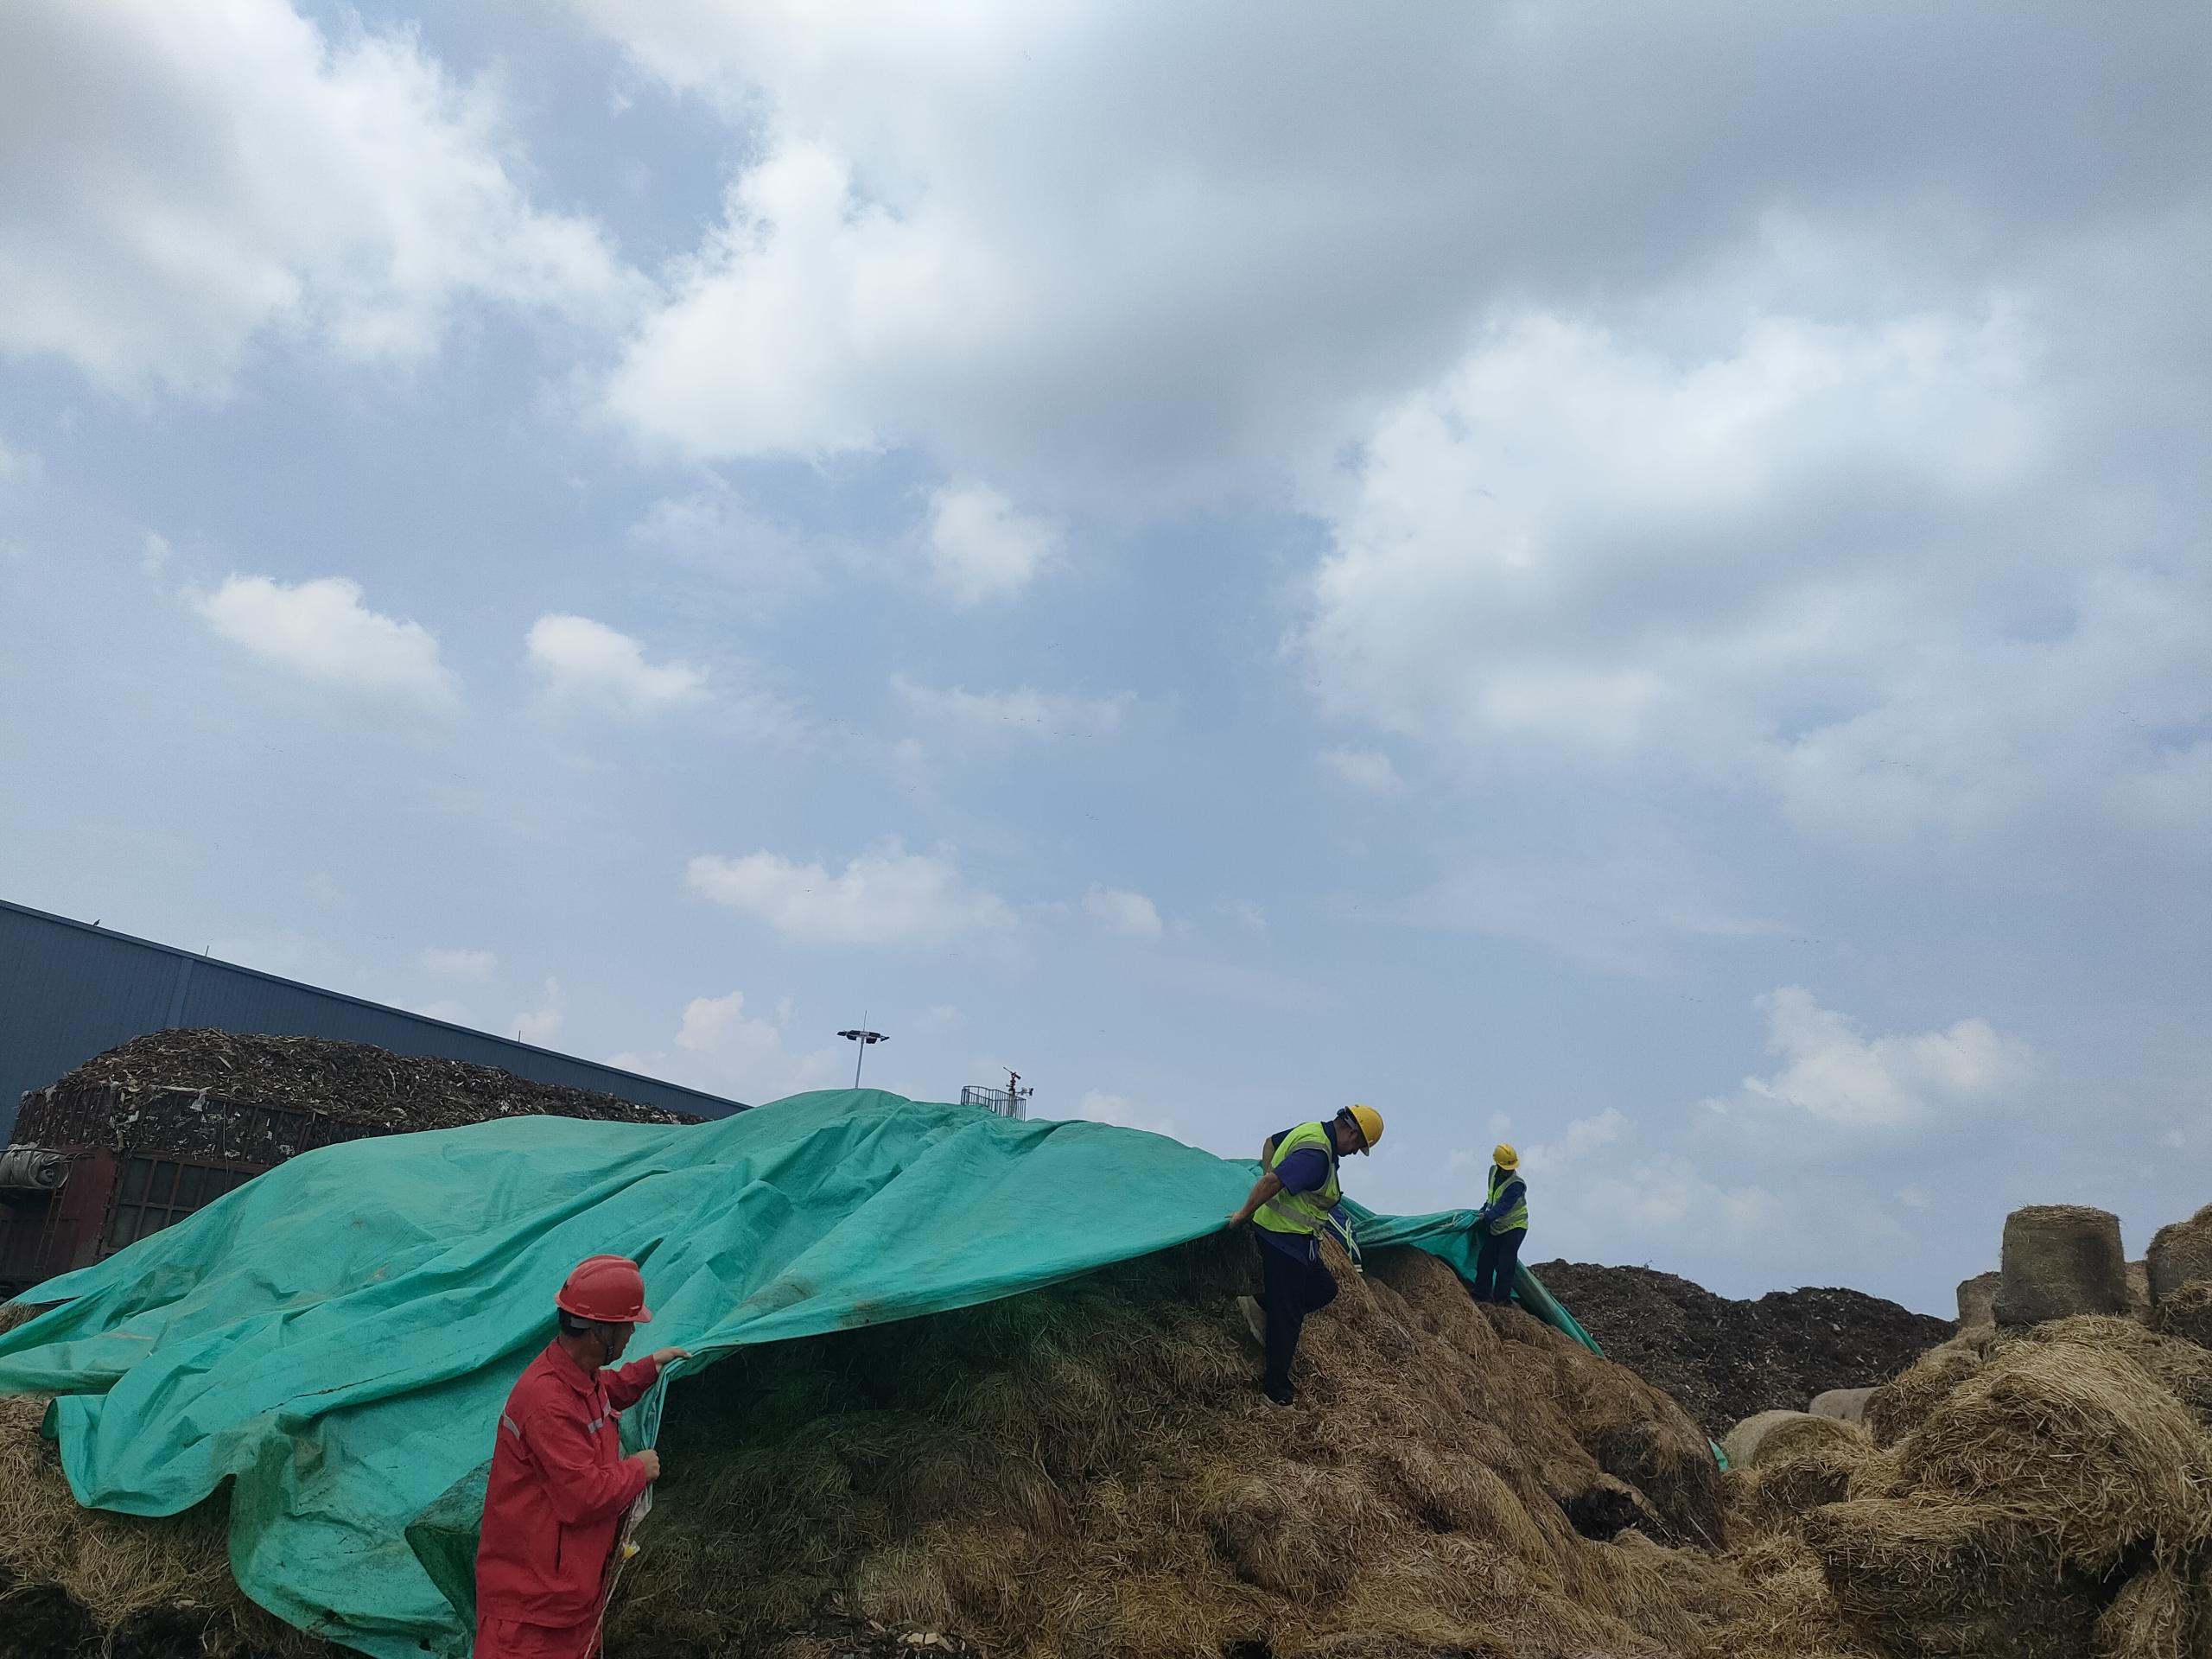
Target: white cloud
x=588 y=661
x=466 y=966
x=884 y=896
x=1024 y=712
x=449 y=1009
x=981 y=547
x=941 y=1016
x=1118 y=1110
x=1885 y=1086
x=320 y=631
x=1584 y=550
x=1248 y=915
x=180 y=180
x=1365 y=769
x=543 y=1024
x=1120 y=911
x=721 y=1048
x=16 y=466
x=154 y=554
x=1020 y=243
x=1483 y=583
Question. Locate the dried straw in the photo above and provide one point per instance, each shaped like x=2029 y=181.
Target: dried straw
x=1900 y=1405
x=2080 y=1447
x=2163 y=1612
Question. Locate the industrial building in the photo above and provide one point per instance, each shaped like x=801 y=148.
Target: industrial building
x=69 y=990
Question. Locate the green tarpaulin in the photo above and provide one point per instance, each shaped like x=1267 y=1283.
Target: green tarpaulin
x=337 y=1336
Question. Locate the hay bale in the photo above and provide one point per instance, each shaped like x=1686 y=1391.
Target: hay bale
x=1845 y=1405
x=2181 y=1368
x=2186 y=1315
x=2060 y=1259
x=1814 y=1473
x=2180 y=1253
x=1901 y=1404
x=2083 y=1450
x=1740 y=1445
x=2162 y=1612
x=1773 y=1436
x=1978 y=1300
x=1946 y=1579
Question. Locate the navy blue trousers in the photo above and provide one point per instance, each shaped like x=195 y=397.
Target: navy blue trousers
x=1494 y=1263
x=1291 y=1288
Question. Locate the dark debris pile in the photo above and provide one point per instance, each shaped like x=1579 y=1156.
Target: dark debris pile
x=1722 y=1360
x=196 y=1083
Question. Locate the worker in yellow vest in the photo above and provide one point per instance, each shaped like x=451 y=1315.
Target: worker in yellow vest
x=1289 y=1206
x=1500 y=1225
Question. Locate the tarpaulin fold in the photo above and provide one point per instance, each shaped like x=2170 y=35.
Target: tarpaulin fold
x=335 y=1338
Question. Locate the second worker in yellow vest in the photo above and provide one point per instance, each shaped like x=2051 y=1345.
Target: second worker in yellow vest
x=1289 y=1206
x=1499 y=1227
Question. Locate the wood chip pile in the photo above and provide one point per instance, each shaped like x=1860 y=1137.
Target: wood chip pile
x=260 y=1099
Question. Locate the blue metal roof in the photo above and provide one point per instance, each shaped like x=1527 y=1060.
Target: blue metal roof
x=69 y=990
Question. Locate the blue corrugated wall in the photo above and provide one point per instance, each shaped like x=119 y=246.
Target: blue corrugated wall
x=69 y=991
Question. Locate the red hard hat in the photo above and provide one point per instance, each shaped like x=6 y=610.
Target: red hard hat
x=608 y=1289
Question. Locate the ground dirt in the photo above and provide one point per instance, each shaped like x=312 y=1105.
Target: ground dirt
x=1723 y=1360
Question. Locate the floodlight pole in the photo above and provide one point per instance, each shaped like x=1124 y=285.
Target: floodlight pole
x=861 y=1037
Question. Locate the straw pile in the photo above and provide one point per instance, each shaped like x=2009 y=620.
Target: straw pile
x=2045 y=1493
x=82 y=1580
x=1090 y=1471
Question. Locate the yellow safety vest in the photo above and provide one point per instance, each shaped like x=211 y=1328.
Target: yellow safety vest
x=1517 y=1217
x=1302 y=1212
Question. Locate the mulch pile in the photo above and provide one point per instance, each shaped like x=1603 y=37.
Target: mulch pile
x=1725 y=1360
x=157 y=1088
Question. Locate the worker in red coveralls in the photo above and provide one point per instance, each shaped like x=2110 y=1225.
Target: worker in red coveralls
x=560 y=1484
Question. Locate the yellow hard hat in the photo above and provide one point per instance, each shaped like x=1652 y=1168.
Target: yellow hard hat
x=1370 y=1125
x=1504 y=1157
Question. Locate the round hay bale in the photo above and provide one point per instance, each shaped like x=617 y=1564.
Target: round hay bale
x=2181 y=1368
x=1741 y=1443
x=2080 y=1448
x=2060 y=1259
x=1810 y=1472
x=2160 y=1613
x=1771 y=1436
x=1923 y=1579
x=1845 y=1405
x=2186 y=1314
x=2180 y=1253
x=1978 y=1300
x=1901 y=1404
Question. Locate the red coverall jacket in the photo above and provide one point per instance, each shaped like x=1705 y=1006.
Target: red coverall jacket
x=558 y=1489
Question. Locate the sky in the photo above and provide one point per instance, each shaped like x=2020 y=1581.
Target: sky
x=1632 y=581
